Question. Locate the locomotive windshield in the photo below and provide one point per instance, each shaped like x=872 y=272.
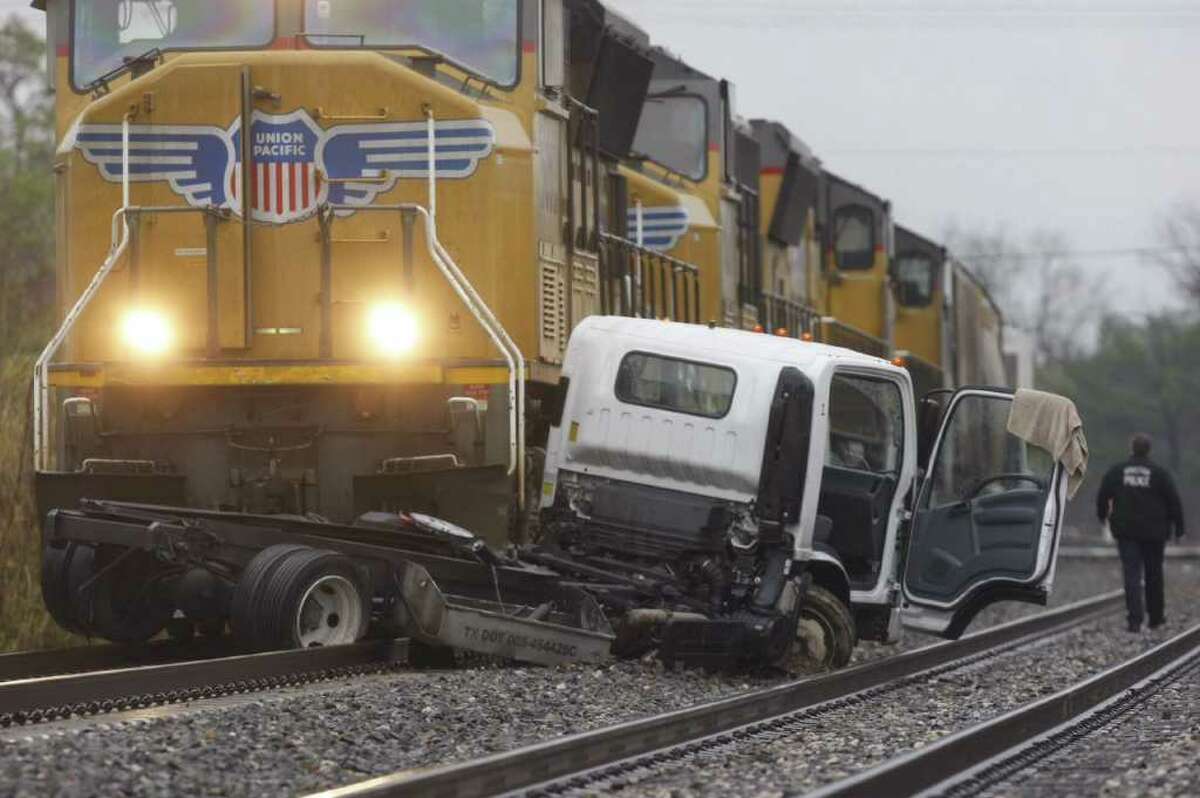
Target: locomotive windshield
x=915 y=280
x=673 y=133
x=108 y=32
x=481 y=35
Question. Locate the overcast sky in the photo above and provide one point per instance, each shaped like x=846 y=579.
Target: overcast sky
x=1076 y=115
x=1079 y=116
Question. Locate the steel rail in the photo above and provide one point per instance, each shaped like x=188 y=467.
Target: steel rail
x=959 y=757
x=560 y=759
x=35 y=700
x=66 y=661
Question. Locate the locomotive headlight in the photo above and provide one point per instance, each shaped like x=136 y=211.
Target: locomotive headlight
x=392 y=328
x=147 y=332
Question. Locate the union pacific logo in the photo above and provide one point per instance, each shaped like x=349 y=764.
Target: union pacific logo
x=661 y=227
x=297 y=166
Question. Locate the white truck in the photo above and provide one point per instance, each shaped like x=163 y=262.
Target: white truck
x=735 y=498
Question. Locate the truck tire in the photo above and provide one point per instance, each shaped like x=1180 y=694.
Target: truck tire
x=303 y=598
x=825 y=634
x=122 y=606
x=64 y=571
x=243 y=611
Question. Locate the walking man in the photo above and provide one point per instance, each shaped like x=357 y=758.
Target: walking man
x=1139 y=500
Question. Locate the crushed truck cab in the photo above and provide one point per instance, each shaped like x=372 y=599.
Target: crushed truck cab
x=730 y=496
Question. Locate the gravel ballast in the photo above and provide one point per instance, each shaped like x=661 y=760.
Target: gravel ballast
x=321 y=737
x=1152 y=752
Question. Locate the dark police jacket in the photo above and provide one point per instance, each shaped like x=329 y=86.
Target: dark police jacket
x=1145 y=504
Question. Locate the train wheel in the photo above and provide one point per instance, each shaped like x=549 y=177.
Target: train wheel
x=825 y=634
x=64 y=571
x=306 y=598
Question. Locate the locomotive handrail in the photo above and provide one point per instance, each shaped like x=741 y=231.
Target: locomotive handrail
x=644 y=297
x=121 y=236
x=41 y=388
x=796 y=317
x=483 y=314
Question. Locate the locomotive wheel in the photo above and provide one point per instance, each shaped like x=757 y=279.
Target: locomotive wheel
x=825 y=634
x=302 y=598
x=122 y=606
x=64 y=570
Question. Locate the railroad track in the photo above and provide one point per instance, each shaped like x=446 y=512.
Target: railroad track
x=591 y=758
x=59 y=662
x=984 y=756
x=37 y=700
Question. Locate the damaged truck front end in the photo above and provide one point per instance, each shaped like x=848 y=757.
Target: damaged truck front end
x=696 y=580
x=676 y=500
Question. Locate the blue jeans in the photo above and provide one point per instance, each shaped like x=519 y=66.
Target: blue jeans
x=1143 y=558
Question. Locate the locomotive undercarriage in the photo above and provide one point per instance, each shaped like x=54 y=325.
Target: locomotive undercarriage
x=330 y=452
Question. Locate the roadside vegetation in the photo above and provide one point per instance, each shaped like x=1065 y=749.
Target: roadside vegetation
x=26 y=310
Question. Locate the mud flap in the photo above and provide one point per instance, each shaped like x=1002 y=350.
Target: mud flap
x=569 y=627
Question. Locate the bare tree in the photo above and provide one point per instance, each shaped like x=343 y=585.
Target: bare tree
x=1179 y=231
x=1038 y=284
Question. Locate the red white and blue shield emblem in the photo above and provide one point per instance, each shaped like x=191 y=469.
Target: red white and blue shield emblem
x=285 y=184
x=296 y=165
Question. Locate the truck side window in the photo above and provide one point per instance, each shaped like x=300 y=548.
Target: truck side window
x=866 y=425
x=978 y=447
x=681 y=386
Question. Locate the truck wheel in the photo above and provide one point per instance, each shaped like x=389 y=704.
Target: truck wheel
x=303 y=598
x=243 y=613
x=122 y=606
x=825 y=634
x=64 y=570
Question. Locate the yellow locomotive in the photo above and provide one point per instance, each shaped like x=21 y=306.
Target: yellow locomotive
x=324 y=256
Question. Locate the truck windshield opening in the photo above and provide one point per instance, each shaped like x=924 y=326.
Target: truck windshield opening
x=681 y=386
x=481 y=36
x=107 y=32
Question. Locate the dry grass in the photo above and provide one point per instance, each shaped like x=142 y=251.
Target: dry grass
x=24 y=623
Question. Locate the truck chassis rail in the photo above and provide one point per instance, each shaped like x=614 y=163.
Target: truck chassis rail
x=435 y=582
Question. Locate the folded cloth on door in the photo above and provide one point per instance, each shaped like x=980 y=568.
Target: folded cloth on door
x=1052 y=422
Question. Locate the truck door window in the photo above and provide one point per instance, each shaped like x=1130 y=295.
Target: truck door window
x=866 y=425
x=977 y=449
x=681 y=386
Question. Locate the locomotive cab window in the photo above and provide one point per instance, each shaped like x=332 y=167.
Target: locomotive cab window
x=916 y=280
x=481 y=36
x=105 y=33
x=681 y=386
x=673 y=133
x=854 y=237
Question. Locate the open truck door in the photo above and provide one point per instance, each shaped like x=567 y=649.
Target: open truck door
x=986 y=518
